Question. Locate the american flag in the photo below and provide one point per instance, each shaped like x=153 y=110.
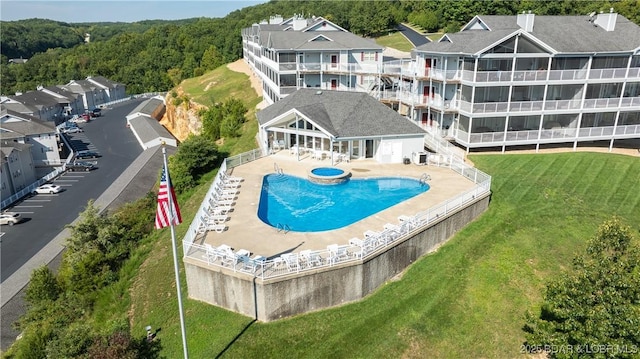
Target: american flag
x=164 y=213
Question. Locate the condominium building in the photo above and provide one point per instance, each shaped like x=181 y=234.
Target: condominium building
x=501 y=81
x=310 y=53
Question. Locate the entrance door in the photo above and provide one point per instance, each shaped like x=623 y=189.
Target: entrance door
x=368 y=148
x=334 y=61
x=427 y=66
x=334 y=84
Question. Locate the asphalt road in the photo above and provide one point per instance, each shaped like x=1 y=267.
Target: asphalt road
x=50 y=213
x=46 y=215
x=413 y=36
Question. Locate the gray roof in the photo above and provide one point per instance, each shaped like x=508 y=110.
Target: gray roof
x=26 y=126
x=149 y=129
x=343 y=114
x=148 y=107
x=36 y=99
x=565 y=34
x=287 y=40
x=80 y=85
x=104 y=81
x=62 y=92
x=9 y=146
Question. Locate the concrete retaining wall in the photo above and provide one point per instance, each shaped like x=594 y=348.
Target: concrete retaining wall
x=282 y=297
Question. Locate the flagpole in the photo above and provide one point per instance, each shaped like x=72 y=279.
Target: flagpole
x=175 y=254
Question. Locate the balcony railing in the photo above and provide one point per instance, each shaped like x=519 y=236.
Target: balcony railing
x=548 y=105
x=619 y=73
x=339 y=67
x=601 y=102
x=554 y=134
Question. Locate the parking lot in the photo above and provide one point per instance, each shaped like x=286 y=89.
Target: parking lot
x=46 y=215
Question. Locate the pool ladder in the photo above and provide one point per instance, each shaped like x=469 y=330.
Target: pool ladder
x=425 y=178
x=277 y=169
x=284 y=228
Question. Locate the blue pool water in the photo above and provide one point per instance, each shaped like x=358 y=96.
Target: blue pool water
x=327 y=171
x=308 y=207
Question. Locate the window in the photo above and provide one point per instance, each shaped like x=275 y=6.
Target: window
x=368 y=56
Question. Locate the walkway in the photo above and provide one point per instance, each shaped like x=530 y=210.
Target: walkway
x=247 y=231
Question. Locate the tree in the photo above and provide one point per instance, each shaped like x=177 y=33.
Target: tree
x=43 y=286
x=196 y=156
x=595 y=307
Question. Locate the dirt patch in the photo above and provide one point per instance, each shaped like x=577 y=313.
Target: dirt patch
x=209 y=85
x=241 y=66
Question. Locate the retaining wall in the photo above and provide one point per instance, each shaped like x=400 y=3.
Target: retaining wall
x=281 y=297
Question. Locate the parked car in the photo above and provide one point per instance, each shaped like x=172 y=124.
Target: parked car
x=48 y=188
x=9 y=218
x=77 y=119
x=71 y=130
x=96 y=112
x=80 y=155
x=80 y=166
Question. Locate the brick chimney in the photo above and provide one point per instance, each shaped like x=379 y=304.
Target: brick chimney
x=606 y=21
x=525 y=21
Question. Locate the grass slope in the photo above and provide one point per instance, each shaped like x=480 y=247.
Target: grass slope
x=395 y=40
x=466 y=300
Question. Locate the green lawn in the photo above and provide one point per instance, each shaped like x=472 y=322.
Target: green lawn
x=466 y=300
x=395 y=40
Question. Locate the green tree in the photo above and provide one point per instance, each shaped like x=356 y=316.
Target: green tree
x=196 y=156
x=43 y=286
x=595 y=304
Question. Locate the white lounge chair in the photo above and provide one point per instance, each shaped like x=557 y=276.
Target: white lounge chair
x=231 y=179
x=212 y=254
x=252 y=264
x=292 y=261
x=337 y=253
x=217 y=227
x=217 y=218
x=311 y=258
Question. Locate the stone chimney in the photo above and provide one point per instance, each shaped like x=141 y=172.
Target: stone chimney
x=606 y=21
x=525 y=21
x=299 y=22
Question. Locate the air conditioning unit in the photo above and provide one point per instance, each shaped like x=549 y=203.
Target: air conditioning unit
x=420 y=158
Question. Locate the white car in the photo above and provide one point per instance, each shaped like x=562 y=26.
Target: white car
x=48 y=188
x=71 y=130
x=77 y=119
x=9 y=218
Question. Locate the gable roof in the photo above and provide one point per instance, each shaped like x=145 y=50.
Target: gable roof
x=17 y=125
x=104 y=82
x=296 y=40
x=37 y=99
x=343 y=114
x=564 y=34
x=148 y=107
x=149 y=129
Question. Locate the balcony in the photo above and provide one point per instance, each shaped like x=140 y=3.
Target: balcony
x=553 y=75
x=549 y=105
x=338 y=68
x=554 y=135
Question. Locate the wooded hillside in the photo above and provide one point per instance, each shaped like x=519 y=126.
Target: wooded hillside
x=151 y=56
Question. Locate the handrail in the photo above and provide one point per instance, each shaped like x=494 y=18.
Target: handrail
x=276 y=267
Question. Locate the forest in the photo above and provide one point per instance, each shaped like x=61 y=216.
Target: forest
x=150 y=56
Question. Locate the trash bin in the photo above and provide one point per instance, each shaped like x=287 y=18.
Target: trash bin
x=406 y=160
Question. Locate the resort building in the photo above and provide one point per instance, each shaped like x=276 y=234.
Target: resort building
x=340 y=126
x=300 y=53
x=502 y=81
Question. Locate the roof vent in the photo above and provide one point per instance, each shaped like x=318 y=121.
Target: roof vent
x=318 y=92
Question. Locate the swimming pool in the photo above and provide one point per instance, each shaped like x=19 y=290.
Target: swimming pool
x=304 y=206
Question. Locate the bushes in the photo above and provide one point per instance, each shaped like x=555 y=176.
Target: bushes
x=196 y=156
x=55 y=324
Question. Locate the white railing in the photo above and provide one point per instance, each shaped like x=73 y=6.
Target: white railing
x=630 y=102
x=601 y=102
x=618 y=73
x=339 y=67
x=354 y=251
x=229 y=162
x=28 y=190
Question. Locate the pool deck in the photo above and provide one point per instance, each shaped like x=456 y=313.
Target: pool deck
x=246 y=231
